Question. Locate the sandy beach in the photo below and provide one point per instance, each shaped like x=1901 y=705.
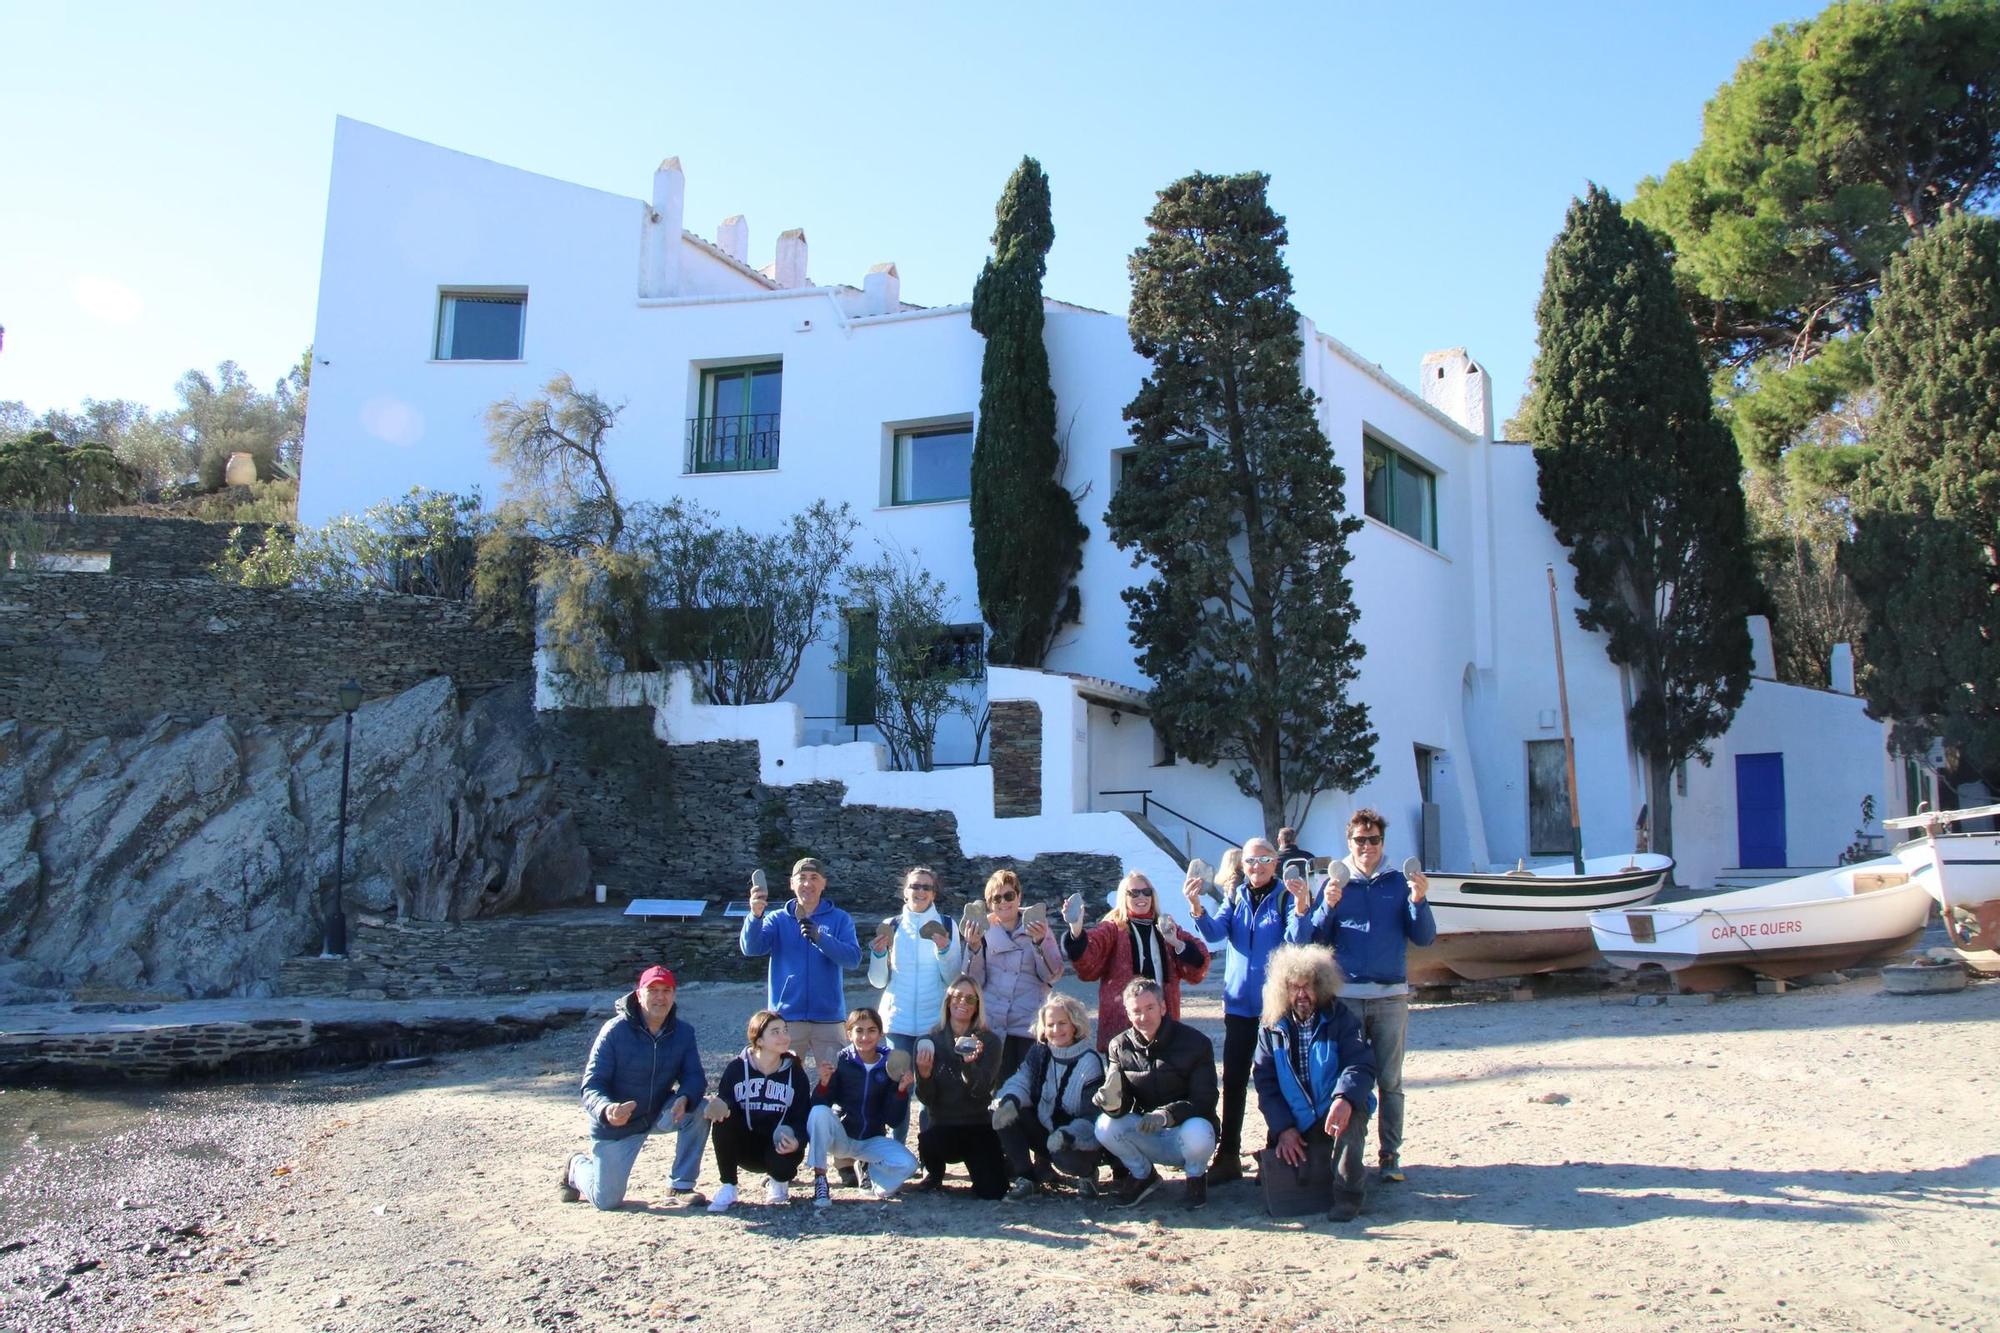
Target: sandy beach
x=1823 y=1159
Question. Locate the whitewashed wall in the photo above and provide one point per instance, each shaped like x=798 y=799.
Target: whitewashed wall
x=1459 y=657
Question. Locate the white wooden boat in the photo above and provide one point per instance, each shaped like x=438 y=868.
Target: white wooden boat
x=1812 y=923
x=1961 y=870
x=1528 y=920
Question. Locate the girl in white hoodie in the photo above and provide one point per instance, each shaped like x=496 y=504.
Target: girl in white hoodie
x=912 y=969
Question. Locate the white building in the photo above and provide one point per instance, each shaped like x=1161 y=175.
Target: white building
x=449 y=282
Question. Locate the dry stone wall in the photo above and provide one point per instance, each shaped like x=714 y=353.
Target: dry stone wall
x=101 y=650
x=561 y=951
x=725 y=822
x=142 y=547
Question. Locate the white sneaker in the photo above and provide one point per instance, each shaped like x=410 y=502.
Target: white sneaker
x=779 y=1192
x=881 y=1194
x=724 y=1198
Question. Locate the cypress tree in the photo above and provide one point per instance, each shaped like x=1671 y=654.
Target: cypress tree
x=1234 y=503
x=1027 y=544
x=1926 y=554
x=1644 y=486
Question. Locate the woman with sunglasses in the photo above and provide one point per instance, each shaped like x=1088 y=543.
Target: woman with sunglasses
x=1014 y=964
x=958 y=1071
x=1135 y=939
x=912 y=958
x=1370 y=923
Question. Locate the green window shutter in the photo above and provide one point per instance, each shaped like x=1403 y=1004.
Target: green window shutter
x=863 y=644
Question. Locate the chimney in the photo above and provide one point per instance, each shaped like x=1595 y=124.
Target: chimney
x=1456 y=385
x=732 y=237
x=790 y=268
x=660 y=262
x=1762 y=664
x=1840 y=670
x=881 y=291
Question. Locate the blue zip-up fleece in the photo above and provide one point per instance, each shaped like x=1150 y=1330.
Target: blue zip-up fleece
x=804 y=984
x=629 y=1064
x=1372 y=921
x=1339 y=1063
x=1251 y=933
x=866 y=1099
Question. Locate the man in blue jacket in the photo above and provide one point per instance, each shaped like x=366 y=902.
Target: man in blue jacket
x=1314 y=1072
x=1251 y=923
x=809 y=941
x=1371 y=922
x=643 y=1078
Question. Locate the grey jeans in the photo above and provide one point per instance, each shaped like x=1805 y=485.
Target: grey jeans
x=1385 y=1021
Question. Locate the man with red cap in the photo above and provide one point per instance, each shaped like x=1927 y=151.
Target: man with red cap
x=643 y=1078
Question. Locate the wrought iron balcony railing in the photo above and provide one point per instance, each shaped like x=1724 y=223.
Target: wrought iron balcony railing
x=733 y=444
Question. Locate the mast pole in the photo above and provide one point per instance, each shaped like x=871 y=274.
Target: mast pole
x=1569 y=742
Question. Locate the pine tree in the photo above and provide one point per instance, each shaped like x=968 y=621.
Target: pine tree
x=1234 y=503
x=1027 y=544
x=1926 y=554
x=1644 y=486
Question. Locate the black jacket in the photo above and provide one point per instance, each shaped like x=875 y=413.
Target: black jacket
x=957 y=1093
x=1175 y=1073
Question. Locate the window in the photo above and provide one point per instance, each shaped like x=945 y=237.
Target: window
x=480 y=326
x=1399 y=491
x=737 y=429
x=1127 y=461
x=963 y=648
x=932 y=463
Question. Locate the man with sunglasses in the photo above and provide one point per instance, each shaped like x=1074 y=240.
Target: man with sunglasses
x=1370 y=923
x=1252 y=923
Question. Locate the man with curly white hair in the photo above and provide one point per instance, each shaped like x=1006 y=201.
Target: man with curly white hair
x=1315 y=1072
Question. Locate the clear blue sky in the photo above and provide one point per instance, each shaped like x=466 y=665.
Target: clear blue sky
x=164 y=166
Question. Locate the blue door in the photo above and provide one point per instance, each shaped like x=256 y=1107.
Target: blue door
x=1760 y=810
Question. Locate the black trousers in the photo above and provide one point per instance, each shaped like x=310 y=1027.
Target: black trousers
x=1239 y=1050
x=736 y=1145
x=1350 y=1175
x=975 y=1145
x=1013 y=1050
x=1026 y=1143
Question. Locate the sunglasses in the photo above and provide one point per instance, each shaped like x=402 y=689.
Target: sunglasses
x=1365 y=839
x=1138 y=893
x=1258 y=860
x=1006 y=897
x=922 y=888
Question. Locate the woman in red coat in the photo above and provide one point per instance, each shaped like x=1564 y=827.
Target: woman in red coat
x=1135 y=939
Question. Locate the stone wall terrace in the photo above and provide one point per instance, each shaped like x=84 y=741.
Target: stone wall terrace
x=101 y=650
x=550 y=951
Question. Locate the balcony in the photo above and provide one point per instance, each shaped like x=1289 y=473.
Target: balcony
x=733 y=444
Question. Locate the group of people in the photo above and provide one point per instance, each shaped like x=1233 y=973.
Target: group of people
x=1015 y=1082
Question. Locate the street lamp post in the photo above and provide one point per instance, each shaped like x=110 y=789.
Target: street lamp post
x=335 y=943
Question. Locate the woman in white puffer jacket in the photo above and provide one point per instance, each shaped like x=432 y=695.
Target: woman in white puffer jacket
x=912 y=969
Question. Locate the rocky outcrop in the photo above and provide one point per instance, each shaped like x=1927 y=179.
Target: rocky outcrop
x=194 y=859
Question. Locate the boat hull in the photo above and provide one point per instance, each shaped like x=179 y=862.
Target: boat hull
x=1815 y=923
x=1962 y=872
x=1511 y=925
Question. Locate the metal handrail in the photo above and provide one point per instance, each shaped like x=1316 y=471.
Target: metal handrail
x=1146 y=804
x=746 y=443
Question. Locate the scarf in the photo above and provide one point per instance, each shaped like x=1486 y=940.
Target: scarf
x=1149 y=958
